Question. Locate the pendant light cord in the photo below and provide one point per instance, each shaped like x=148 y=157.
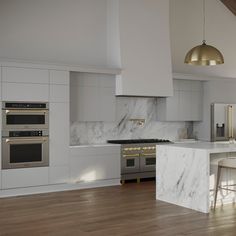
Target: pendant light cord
x=204 y=22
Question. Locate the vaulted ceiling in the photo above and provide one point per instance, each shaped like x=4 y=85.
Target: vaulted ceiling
x=231 y=4
x=186 y=28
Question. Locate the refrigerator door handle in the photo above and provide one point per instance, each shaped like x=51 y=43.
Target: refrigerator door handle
x=230 y=121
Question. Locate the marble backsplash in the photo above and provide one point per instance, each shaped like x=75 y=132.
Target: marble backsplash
x=123 y=128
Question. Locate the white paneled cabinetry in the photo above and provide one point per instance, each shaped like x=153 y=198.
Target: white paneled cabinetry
x=185 y=105
x=59 y=127
x=92 y=97
x=41 y=85
x=24 y=177
x=90 y=163
x=24 y=84
x=0 y=127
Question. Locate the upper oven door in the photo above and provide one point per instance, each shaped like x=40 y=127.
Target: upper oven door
x=24 y=119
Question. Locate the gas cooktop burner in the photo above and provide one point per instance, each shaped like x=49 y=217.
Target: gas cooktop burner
x=128 y=141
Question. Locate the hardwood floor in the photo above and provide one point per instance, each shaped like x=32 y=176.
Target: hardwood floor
x=121 y=210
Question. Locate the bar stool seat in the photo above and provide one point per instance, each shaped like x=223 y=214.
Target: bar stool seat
x=227 y=163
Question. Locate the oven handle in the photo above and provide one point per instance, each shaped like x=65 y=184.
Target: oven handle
x=148 y=154
x=26 y=140
x=30 y=111
x=130 y=155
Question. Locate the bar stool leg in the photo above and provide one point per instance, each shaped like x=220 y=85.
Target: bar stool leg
x=217 y=185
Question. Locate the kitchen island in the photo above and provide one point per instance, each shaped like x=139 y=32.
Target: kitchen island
x=186 y=172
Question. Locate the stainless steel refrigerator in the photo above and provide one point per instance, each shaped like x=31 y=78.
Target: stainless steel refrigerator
x=223 y=122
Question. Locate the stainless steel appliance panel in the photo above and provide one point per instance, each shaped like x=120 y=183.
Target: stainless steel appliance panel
x=130 y=159
x=148 y=158
x=22 y=152
x=20 y=116
x=223 y=121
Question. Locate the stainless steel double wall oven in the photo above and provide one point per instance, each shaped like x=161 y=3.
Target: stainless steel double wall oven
x=25 y=141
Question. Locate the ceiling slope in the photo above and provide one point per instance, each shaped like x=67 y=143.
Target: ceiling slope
x=231 y=4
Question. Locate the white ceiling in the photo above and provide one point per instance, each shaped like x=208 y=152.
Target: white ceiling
x=186 y=19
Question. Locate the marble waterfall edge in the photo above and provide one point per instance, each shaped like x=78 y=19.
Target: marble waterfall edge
x=123 y=128
x=182 y=177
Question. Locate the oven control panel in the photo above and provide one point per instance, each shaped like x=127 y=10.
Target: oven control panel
x=33 y=133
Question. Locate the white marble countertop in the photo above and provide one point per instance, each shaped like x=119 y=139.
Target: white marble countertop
x=211 y=147
x=95 y=145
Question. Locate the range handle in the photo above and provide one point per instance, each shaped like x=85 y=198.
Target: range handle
x=130 y=155
x=149 y=154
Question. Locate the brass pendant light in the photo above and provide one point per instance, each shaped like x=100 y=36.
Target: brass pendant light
x=204 y=55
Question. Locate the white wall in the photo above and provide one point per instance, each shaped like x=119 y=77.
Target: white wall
x=186 y=32
x=218 y=91
x=67 y=31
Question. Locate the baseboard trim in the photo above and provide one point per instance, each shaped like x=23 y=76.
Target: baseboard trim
x=58 y=188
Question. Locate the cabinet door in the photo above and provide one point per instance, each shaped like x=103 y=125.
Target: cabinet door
x=172 y=107
x=196 y=101
x=107 y=104
x=97 y=167
x=0 y=83
x=88 y=104
x=185 y=105
x=59 y=77
x=59 y=93
x=24 y=177
x=59 y=134
x=92 y=97
x=59 y=174
x=25 y=92
x=25 y=75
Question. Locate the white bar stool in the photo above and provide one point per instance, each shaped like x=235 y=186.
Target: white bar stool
x=228 y=163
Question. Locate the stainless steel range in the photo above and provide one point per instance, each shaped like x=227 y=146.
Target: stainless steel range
x=138 y=158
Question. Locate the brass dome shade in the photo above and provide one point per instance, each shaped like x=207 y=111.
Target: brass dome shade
x=204 y=55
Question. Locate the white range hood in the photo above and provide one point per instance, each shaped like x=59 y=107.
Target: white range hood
x=139 y=42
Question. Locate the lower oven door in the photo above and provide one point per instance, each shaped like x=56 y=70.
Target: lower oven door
x=148 y=162
x=129 y=163
x=25 y=152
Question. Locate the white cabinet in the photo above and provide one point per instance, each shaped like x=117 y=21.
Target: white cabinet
x=59 y=127
x=24 y=92
x=24 y=177
x=59 y=93
x=92 y=97
x=59 y=174
x=143 y=40
x=59 y=86
x=25 y=75
x=0 y=83
x=25 y=84
x=94 y=163
x=185 y=105
x=59 y=77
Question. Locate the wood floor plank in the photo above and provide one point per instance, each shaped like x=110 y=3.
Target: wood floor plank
x=120 y=210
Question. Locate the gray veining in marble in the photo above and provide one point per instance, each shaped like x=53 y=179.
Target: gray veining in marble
x=123 y=128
